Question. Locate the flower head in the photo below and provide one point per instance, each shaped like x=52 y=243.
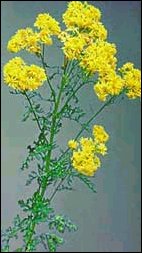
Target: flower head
x=72 y=144
x=24 y=39
x=99 y=57
x=108 y=83
x=80 y=15
x=45 y=22
x=85 y=152
x=73 y=47
x=99 y=133
x=22 y=77
x=132 y=80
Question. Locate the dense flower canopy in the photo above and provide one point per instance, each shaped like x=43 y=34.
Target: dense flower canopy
x=84 y=40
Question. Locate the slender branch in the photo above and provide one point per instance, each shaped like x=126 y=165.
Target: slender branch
x=69 y=98
x=80 y=132
x=56 y=189
x=89 y=121
x=43 y=51
x=51 y=88
x=50 y=85
x=94 y=116
x=36 y=118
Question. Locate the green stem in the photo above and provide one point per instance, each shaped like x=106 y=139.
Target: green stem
x=73 y=64
x=56 y=189
x=94 y=116
x=52 y=133
x=50 y=85
x=44 y=66
x=29 y=241
x=33 y=111
x=89 y=121
x=69 y=98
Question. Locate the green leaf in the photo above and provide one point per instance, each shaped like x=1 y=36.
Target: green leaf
x=32 y=176
x=86 y=181
x=24 y=205
x=61 y=223
x=53 y=242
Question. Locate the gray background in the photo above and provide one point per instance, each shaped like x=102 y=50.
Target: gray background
x=109 y=220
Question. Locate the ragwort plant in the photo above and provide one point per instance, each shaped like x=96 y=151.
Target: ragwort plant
x=88 y=58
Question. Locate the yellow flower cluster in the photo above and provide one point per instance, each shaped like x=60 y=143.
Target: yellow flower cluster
x=99 y=57
x=97 y=31
x=22 y=77
x=128 y=82
x=80 y=15
x=132 y=80
x=24 y=39
x=73 y=47
x=45 y=22
x=29 y=40
x=48 y=26
x=16 y=73
x=100 y=134
x=85 y=152
x=72 y=144
x=83 y=28
x=108 y=84
x=84 y=40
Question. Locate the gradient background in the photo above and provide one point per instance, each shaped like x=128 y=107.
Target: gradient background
x=108 y=221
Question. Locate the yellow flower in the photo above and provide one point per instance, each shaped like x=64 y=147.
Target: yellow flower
x=45 y=37
x=85 y=156
x=87 y=144
x=100 y=134
x=73 y=47
x=97 y=31
x=85 y=163
x=72 y=144
x=99 y=57
x=29 y=40
x=83 y=28
x=80 y=15
x=101 y=148
x=24 y=39
x=45 y=22
x=132 y=80
x=101 y=90
x=22 y=77
x=64 y=36
x=108 y=84
x=126 y=67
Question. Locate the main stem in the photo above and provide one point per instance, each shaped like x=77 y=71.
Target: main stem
x=51 y=140
x=53 y=125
